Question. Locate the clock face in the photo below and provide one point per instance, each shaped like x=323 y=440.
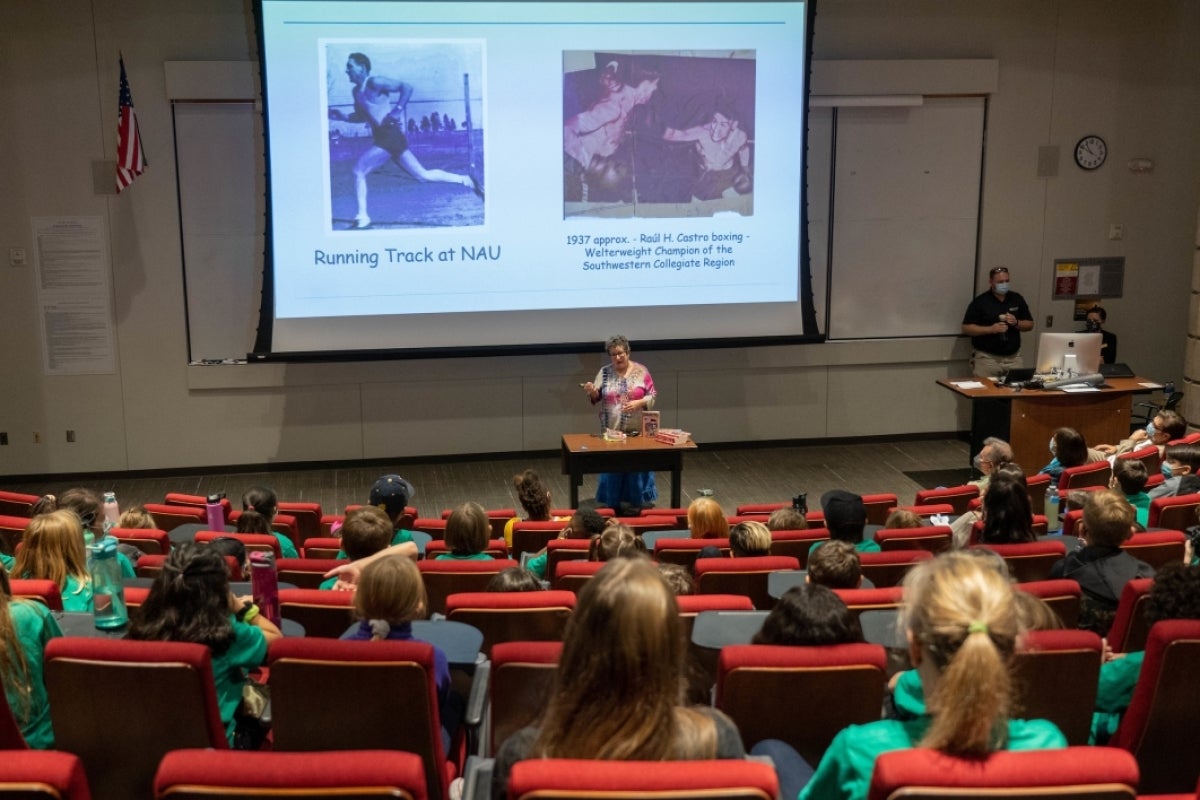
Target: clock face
x=1090 y=152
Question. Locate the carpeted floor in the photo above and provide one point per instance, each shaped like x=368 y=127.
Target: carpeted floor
x=934 y=478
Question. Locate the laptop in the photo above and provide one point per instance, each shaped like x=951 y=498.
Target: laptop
x=1018 y=375
x=1117 y=370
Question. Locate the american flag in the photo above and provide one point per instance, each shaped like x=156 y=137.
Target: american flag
x=131 y=161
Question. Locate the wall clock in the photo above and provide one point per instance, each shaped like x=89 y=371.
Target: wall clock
x=1090 y=152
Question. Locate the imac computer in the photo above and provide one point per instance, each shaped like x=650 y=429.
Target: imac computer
x=1054 y=349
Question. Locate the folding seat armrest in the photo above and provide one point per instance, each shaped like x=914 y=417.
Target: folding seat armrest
x=478 y=783
x=477 y=705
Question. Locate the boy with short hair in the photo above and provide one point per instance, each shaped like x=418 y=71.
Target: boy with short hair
x=1130 y=476
x=836 y=565
x=365 y=532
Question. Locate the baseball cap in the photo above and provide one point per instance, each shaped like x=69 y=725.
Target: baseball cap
x=843 y=509
x=391 y=493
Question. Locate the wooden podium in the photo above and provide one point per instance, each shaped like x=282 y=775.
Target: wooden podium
x=588 y=453
x=1027 y=418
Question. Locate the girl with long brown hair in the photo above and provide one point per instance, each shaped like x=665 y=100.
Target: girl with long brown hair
x=618 y=692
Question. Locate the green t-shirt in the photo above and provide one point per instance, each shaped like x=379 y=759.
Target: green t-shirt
x=865 y=546
x=77 y=595
x=247 y=650
x=7 y=562
x=909 y=695
x=468 y=557
x=401 y=537
x=845 y=770
x=1113 y=694
x=286 y=548
x=1141 y=507
x=537 y=564
x=34 y=626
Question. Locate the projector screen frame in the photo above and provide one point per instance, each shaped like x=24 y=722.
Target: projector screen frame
x=804 y=308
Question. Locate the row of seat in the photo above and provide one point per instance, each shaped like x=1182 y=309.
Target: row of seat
x=319 y=685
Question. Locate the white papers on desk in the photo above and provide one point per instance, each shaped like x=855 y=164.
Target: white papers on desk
x=967 y=384
x=1150 y=385
x=1077 y=388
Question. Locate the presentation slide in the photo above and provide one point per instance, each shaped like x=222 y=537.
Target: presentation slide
x=466 y=174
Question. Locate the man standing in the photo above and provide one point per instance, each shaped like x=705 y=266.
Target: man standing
x=380 y=102
x=994 y=321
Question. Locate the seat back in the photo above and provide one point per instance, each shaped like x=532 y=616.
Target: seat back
x=1038 y=485
x=529 y=536
x=43 y=775
x=10 y=734
x=797 y=543
x=934 y=538
x=684 y=552
x=497 y=519
x=12 y=531
x=46 y=591
x=253 y=541
x=745 y=576
x=1055 y=675
x=958 y=497
x=1096 y=473
x=450 y=576
x=197 y=501
x=306 y=573
x=1062 y=595
x=572 y=576
x=769 y=691
x=434 y=526
x=1148 y=456
x=1076 y=773
x=322 y=547
x=355 y=775
x=89 y=683
x=324 y=614
x=513 y=616
x=284 y=524
x=307 y=517
x=496 y=548
x=17 y=504
x=888 y=568
x=859 y=600
x=1174 y=512
x=878 y=506
x=170 y=517
x=725 y=779
x=1069 y=520
x=1156 y=548
x=1162 y=723
x=1130 y=628
x=521 y=679
x=559 y=550
x=653 y=522
x=149 y=540
x=1029 y=561
x=390 y=687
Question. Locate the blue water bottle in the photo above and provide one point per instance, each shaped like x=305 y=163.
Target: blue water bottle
x=108 y=593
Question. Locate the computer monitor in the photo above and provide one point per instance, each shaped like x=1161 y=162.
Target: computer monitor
x=1053 y=346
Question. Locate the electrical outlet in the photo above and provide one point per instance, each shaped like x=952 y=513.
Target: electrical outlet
x=3 y=438
x=70 y=435
x=1049 y=320
x=37 y=438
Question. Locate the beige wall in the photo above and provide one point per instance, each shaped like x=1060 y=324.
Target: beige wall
x=1067 y=68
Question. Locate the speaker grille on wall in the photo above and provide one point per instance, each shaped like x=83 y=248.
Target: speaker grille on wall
x=104 y=177
x=1047 y=161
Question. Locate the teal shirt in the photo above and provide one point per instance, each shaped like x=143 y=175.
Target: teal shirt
x=34 y=626
x=537 y=565
x=77 y=595
x=1141 y=507
x=401 y=537
x=286 y=548
x=247 y=650
x=909 y=695
x=865 y=546
x=468 y=557
x=1113 y=694
x=845 y=770
x=6 y=561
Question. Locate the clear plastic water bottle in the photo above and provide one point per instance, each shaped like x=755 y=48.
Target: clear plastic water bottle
x=264 y=584
x=108 y=593
x=216 y=514
x=112 y=511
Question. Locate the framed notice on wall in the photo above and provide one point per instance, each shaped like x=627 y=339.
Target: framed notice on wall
x=1088 y=277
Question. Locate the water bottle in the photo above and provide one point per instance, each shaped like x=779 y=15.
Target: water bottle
x=264 y=584
x=108 y=593
x=112 y=511
x=216 y=514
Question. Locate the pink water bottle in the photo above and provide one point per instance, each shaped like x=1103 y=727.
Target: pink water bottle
x=264 y=584
x=216 y=514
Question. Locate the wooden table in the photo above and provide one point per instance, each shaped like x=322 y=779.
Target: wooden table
x=588 y=453
x=1027 y=418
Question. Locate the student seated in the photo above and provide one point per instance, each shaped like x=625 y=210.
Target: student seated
x=1180 y=467
x=902 y=518
x=787 y=519
x=391 y=494
x=1068 y=449
x=677 y=578
x=88 y=506
x=835 y=565
x=963 y=627
x=1130 y=477
x=749 y=539
x=136 y=518
x=514 y=579
x=534 y=497
x=25 y=628
x=585 y=524
x=263 y=502
x=846 y=519
x=1101 y=567
x=52 y=549
x=1007 y=513
x=1165 y=427
x=706 y=519
x=366 y=532
x=618 y=690
x=467 y=534
x=618 y=540
x=809 y=615
x=1174 y=595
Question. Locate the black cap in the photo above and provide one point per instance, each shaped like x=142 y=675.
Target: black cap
x=843 y=509
x=391 y=493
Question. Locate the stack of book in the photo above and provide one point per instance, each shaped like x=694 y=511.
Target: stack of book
x=672 y=436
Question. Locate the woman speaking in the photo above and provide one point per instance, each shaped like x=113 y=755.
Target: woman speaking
x=623 y=387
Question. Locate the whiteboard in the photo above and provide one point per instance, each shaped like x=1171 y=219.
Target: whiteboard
x=905 y=218
x=219 y=156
